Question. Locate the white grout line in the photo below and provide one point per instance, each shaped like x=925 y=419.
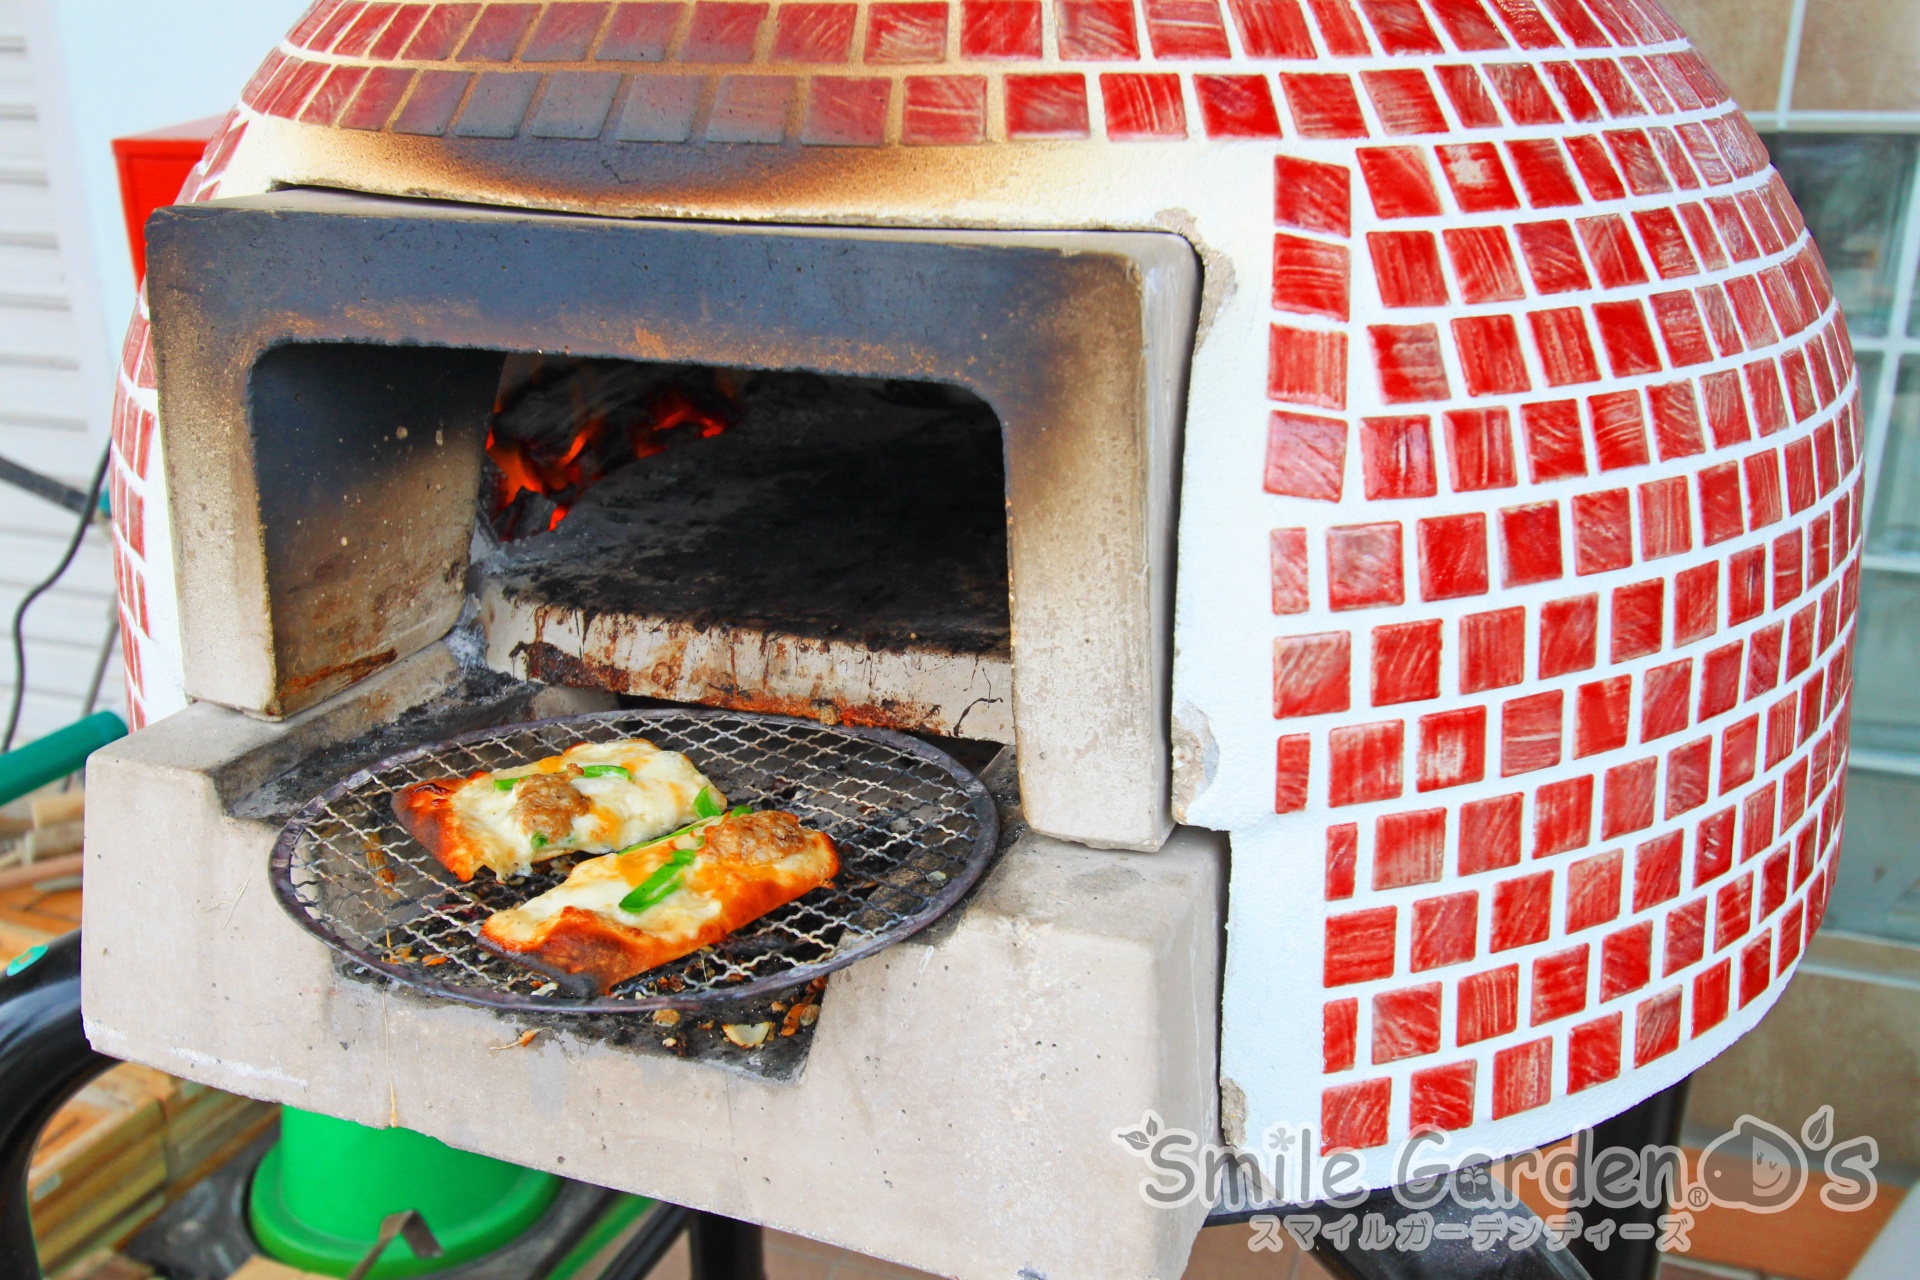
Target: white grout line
x=1790 y=59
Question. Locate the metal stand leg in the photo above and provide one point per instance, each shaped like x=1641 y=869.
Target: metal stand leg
x=724 y=1249
x=1653 y=1123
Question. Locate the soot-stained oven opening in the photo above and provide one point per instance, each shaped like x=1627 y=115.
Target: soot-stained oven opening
x=817 y=545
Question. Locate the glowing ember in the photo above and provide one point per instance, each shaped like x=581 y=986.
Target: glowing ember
x=561 y=434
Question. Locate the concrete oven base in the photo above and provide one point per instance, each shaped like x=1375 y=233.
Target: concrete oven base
x=955 y=1114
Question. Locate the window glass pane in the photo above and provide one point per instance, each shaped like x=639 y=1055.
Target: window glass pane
x=1878 y=890
x=1853 y=189
x=1895 y=528
x=1886 y=694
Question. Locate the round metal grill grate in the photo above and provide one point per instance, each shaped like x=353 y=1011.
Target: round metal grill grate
x=914 y=828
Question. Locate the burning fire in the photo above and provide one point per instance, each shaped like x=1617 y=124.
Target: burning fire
x=540 y=479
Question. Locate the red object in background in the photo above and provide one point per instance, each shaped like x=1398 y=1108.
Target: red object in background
x=152 y=167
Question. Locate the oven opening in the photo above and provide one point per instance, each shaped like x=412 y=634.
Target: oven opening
x=817 y=545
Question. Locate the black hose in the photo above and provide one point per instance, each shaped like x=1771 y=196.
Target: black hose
x=20 y=614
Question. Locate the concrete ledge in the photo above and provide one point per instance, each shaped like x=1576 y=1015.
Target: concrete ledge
x=954 y=1115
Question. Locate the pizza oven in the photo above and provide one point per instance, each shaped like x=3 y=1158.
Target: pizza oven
x=1410 y=441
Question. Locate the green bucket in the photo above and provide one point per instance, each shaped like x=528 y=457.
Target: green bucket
x=321 y=1192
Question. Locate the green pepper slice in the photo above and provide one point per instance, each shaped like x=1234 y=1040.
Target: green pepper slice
x=606 y=771
x=656 y=887
x=504 y=784
x=707 y=804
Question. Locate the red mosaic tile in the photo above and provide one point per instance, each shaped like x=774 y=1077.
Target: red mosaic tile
x=814 y=33
x=1000 y=29
x=944 y=110
x=1360 y=946
x=1493 y=649
x=1762 y=472
x=1688 y=770
x=1304 y=366
x=1686 y=937
x=1097 y=31
x=1750 y=308
x=1441 y=1097
x=1668 y=690
x=1530 y=543
x=1398 y=182
x=1710 y=997
x=1629 y=798
x=1323 y=105
x=1149 y=107
x=1611 y=250
x=1490 y=834
x=1601 y=716
x=1273 y=29
x=1406 y=1023
x=1656 y=870
x=429 y=108
x=1406 y=266
x=1727 y=417
x=1343 y=856
x=1801 y=492
x=566 y=31
x=1593 y=891
x=1602 y=531
x=1626 y=338
x=1340 y=28
x=1773 y=879
x=1312 y=674
x=1528 y=25
x=1612 y=87
x=1522 y=911
x=1656 y=1031
x=1292 y=771
x=1339 y=1027
x=1666 y=519
x=1404 y=101
x=1401 y=27
x=1312 y=196
x=333 y=95
x=1634 y=153
x=1706 y=243
x=1567 y=632
x=1732 y=912
x=642 y=32
x=1553 y=257
x=1563 y=816
x=1354 y=1116
x=1593 y=1053
x=1236 y=107
x=1786 y=568
x=1638 y=620
x=1364 y=566
x=1484 y=263
x=1666 y=243
x=1186 y=29
x=1756 y=968
x=1530 y=733
x=1445 y=930
x=1596 y=169
x=289 y=92
x=1626 y=960
x=1763 y=660
x=1566 y=352
x=1746 y=585
x=846 y=111
x=1480 y=449
x=1790 y=941
x=1522 y=1078
x=907 y=33
x=1489 y=1005
x=1453 y=557
x=1366 y=763
x=1560 y=985
x=1544 y=174
x=1738 y=746
x=1522 y=91
x=1289 y=559
x=1619 y=430
x=1468 y=25
x=1676 y=420
x=1406 y=662
x=361 y=31
x=1396 y=456
x=1408 y=363
x=1490 y=357
x=1681 y=329
x=1799 y=385
x=1452 y=749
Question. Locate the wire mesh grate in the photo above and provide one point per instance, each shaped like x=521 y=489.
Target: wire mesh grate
x=914 y=829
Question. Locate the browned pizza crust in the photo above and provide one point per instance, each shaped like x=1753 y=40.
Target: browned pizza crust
x=754 y=863
x=425 y=809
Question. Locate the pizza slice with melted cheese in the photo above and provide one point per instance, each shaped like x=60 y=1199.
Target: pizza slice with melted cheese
x=593 y=797
x=622 y=914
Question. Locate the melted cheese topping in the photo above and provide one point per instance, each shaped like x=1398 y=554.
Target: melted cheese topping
x=620 y=812
x=599 y=884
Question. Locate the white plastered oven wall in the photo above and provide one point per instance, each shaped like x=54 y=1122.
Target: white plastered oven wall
x=1221 y=194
